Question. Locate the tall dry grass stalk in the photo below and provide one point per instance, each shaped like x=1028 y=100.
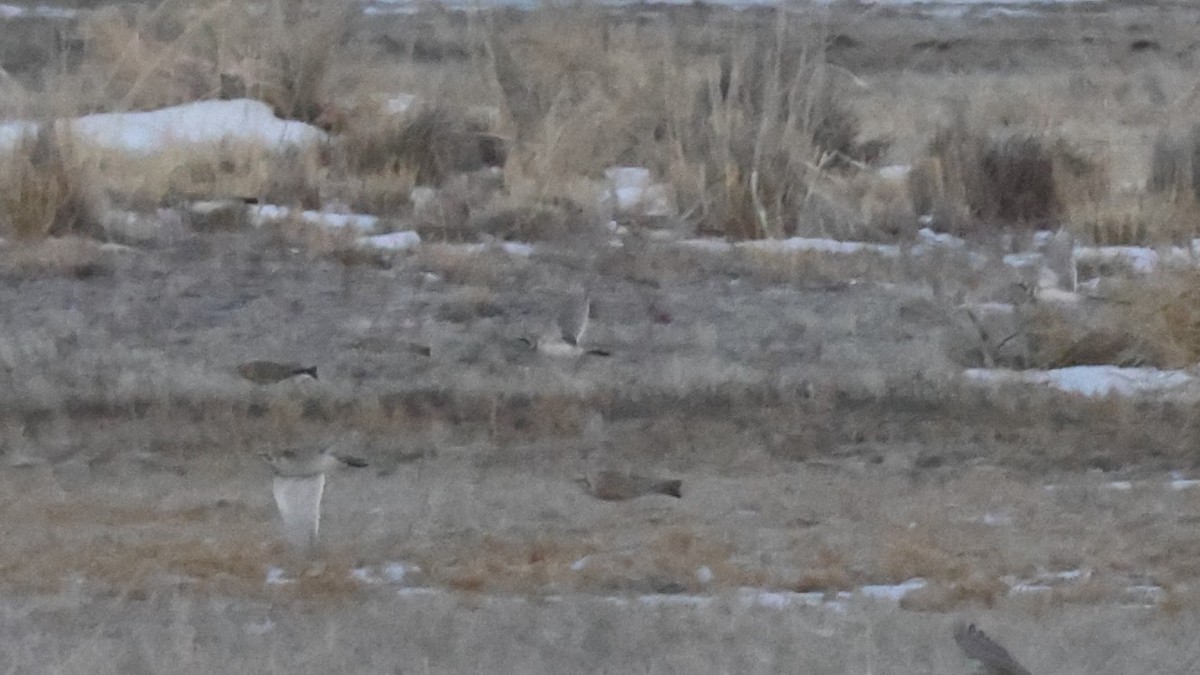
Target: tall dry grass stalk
x=745 y=138
x=141 y=57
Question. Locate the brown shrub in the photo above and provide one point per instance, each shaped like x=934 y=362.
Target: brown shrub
x=970 y=178
x=431 y=145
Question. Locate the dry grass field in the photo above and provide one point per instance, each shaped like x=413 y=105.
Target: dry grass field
x=812 y=403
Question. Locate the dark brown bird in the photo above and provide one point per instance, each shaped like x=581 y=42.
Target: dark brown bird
x=613 y=486
x=270 y=372
x=987 y=654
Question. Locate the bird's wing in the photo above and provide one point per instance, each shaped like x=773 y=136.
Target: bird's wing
x=573 y=319
x=299 y=502
x=990 y=654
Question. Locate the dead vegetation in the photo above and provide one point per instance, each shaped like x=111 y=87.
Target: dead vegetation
x=45 y=189
x=972 y=179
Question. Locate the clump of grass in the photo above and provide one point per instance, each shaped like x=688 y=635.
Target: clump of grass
x=138 y=58
x=1173 y=160
x=1153 y=321
x=763 y=130
x=45 y=190
x=431 y=145
x=971 y=178
x=744 y=138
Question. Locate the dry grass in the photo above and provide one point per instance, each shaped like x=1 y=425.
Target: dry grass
x=971 y=179
x=46 y=189
x=806 y=400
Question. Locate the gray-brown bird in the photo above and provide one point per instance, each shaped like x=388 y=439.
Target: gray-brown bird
x=271 y=372
x=613 y=486
x=987 y=655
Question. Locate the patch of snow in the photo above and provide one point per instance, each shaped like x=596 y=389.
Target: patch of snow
x=517 y=248
x=258 y=628
x=277 y=576
x=1027 y=259
x=709 y=245
x=989 y=308
x=704 y=575
x=201 y=122
x=399 y=104
x=821 y=245
x=1119 y=485
x=1183 y=483
x=364 y=575
x=896 y=172
x=634 y=192
x=419 y=592
x=267 y=213
x=421 y=197
x=627 y=177
x=112 y=247
x=1141 y=259
x=393 y=241
x=1046 y=581
x=581 y=564
x=928 y=236
x=1090 y=380
x=893 y=592
x=1149 y=592
x=40 y=11
x=395 y=572
x=996 y=520
x=661 y=600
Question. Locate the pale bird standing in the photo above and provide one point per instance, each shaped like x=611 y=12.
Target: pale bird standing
x=614 y=486
x=298 y=485
x=985 y=653
x=572 y=323
x=271 y=372
x=573 y=318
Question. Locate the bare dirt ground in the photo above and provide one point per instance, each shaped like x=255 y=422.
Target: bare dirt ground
x=813 y=406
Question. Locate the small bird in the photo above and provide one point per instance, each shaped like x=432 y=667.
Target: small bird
x=271 y=372
x=613 y=486
x=298 y=486
x=573 y=318
x=987 y=654
x=571 y=323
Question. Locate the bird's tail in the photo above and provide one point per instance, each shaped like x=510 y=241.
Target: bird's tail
x=311 y=372
x=350 y=460
x=671 y=488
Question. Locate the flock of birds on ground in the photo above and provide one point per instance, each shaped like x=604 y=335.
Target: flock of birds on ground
x=299 y=474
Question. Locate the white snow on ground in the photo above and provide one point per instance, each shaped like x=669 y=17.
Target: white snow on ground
x=395 y=573
x=516 y=248
x=892 y=592
x=1139 y=258
x=202 y=122
x=267 y=213
x=39 y=12
x=1090 y=380
x=400 y=104
x=393 y=241
x=634 y=192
